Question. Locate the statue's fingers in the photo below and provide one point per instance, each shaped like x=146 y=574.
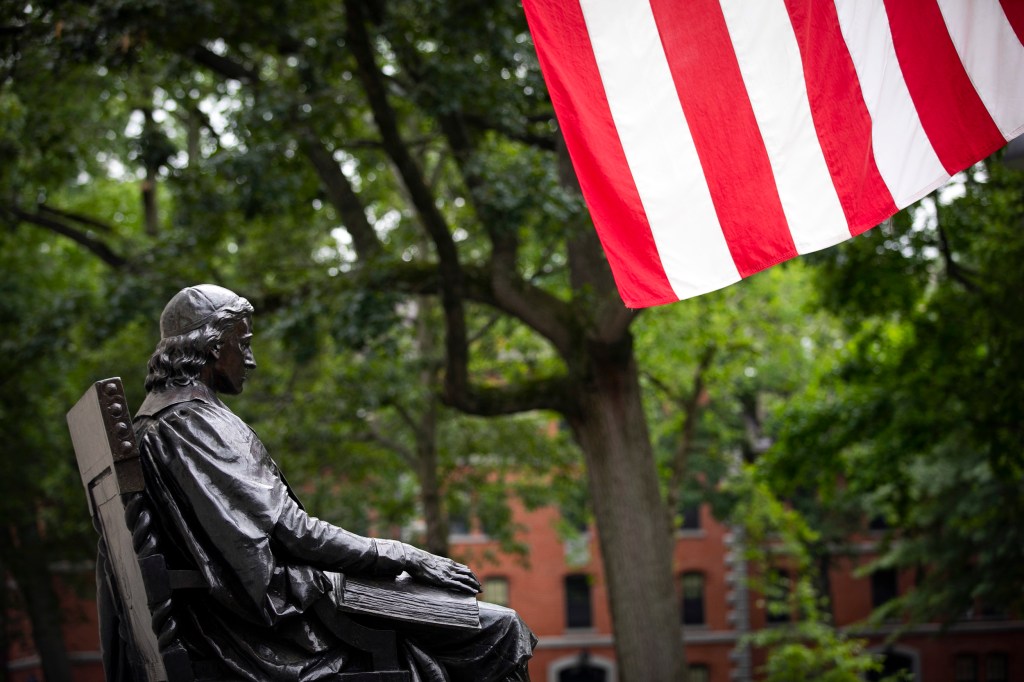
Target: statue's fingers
x=474 y=583
x=467 y=588
x=464 y=569
x=468 y=578
x=466 y=583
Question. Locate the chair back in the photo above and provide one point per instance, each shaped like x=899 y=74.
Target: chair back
x=108 y=460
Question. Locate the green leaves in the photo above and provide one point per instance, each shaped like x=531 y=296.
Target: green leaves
x=920 y=420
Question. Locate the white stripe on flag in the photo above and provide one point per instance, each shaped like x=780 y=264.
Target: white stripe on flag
x=769 y=59
x=659 y=149
x=905 y=158
x=992 y=56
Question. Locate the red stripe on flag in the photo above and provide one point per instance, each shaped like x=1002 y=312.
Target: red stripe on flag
x=725 y=132
x=841 y=117
x=1014 y=11
x=953 y=116
x=570 y=70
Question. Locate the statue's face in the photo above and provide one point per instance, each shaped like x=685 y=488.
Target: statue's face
x=234 y=359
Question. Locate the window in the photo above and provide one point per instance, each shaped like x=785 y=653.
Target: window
x=777 y=607
x=693 y=599
x=878 y=523
x=988 y=611
x=965 y=668
x=691 y=517
x=698 y=673
x=496 y=590
x=458 y=513
x=884 y=586
x=997 y=668
x=893 y=663
x=577 y=601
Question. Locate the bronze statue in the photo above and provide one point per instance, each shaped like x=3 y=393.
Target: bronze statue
x=274 y=572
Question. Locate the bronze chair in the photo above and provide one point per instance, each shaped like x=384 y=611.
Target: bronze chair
x=139 y=580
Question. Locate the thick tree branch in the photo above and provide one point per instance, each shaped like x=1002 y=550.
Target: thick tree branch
x=406 y=417
x=225 y=66
x=48 y=221
x=456 y=376
x=373 y=435
x=589 y=272
x=550 y=393
x=531 y=305
x=545 y=142
x=511 y=293
x=596 y=291
x=956 y=272
x=343 y=197
x=545 y=393
x=690 y=407
x=77 y=217
x=423 y=278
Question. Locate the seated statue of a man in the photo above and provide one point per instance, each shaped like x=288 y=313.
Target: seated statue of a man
x=273 y=570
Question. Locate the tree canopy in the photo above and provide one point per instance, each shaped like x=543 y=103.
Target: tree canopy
x=917 y=422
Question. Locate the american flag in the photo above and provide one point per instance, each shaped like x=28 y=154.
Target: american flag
x=716 y=138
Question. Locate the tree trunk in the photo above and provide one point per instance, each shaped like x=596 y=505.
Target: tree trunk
x=434 y=518
x=149 y=205
x=194 y=121
x=36 y=587
x=635 y=538
x=436 y=540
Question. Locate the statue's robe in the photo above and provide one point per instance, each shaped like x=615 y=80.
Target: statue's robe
x=223 y=507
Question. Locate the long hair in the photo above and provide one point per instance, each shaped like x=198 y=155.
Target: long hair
x=178 y=360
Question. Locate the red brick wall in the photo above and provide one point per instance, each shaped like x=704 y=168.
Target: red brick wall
x=536 y=590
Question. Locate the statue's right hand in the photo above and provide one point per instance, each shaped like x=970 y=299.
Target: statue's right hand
x=441 y=572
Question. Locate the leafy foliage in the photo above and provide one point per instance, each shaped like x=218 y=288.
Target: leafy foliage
x=776 y=541
x=919 y=420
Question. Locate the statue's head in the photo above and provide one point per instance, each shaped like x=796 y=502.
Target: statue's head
x=205 y=334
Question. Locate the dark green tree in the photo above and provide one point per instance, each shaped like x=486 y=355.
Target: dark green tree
x=919 y=421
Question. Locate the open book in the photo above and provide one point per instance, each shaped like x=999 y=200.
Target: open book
x=401 y=598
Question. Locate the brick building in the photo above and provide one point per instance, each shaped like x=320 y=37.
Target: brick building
x=561 y=593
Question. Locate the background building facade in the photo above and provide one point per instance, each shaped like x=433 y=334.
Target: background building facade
x=559 y=589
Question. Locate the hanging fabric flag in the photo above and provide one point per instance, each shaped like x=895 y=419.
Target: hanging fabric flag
x=716 y=138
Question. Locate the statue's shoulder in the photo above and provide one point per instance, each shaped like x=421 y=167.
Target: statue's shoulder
x=184 y=401
x=194 y=415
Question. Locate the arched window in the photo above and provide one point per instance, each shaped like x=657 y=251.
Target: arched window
x=577 y=601
x=693 y=598
x=583 y=672
x=580 y=667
